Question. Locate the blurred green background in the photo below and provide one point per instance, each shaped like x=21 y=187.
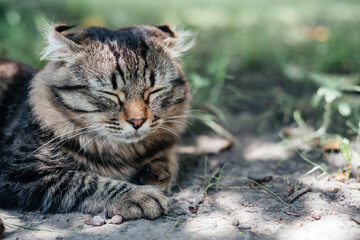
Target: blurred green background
x=268 y=58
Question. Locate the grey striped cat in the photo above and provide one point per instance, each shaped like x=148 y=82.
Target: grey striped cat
x=95 y=131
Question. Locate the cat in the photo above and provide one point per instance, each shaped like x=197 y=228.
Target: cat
x=94 y=130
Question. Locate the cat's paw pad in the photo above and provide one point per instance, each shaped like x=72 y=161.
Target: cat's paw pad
x=144 y=202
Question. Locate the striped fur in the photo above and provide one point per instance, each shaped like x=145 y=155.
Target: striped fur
x=97 y=131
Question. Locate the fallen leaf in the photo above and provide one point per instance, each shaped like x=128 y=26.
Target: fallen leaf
x=341 y=177
x=331 y=146
x=206 y=144
x=186 y=149
x=290 y=190
x=261 y=180
x=214 y=144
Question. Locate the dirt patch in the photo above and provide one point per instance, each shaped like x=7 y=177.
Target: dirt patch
x=233 y=207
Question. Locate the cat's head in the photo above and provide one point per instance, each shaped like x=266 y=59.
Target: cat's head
x=125 y=84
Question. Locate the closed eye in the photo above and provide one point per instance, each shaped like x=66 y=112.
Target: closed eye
x=114 y=96
x=148 y=93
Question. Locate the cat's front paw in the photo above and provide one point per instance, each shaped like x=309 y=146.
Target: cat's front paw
x=143 y=202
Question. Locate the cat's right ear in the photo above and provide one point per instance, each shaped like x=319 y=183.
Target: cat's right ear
x=58 y=46
x=177 y=41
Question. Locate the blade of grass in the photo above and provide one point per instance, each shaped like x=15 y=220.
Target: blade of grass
x=219 y=176
x=263 y=187
x=298 y=182
x=215 y=176
x=220 y=130
x=323 y=168
x=28 y=228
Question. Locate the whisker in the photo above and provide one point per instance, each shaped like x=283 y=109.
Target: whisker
x=72 y=136
x=186 y=116
x=142 y=144
x=172 y=131
x=92 y=140
x=180 y=122
x=48 y=104
x=157 y=136
x=195 y=110
x=55 y=138
x=108 y=137
x=187 y=125
x=178 y=116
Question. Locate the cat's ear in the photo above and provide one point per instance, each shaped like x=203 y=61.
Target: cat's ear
x=59 y=47
x=177 y=41
x=167 y=29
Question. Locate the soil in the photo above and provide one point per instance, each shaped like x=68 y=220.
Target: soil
x=233 y=207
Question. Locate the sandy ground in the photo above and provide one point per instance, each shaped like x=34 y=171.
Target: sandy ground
x=232 y=209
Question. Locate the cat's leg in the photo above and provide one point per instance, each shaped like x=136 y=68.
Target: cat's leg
x=119 y=197
x=59 y=191
x=160 y=172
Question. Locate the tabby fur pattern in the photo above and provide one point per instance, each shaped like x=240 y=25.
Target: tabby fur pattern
x=94 y=130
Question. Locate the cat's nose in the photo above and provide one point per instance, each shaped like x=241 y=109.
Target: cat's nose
x=136 y=123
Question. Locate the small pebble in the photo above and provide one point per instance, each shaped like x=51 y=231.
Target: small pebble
x=316 y=216
x=97 y=221
x=235 y=222
x=59 y=237
x=117 y=219
x=298 y=224
x=180 y=211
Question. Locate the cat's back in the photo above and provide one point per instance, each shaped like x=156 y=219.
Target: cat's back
x=15 y=116
x=14 y=84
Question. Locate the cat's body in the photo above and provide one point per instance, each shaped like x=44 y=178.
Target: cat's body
x=101 y=120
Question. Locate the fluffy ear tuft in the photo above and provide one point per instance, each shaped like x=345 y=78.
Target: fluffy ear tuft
x=179 y=42
x=167 y=29
x=58 y=46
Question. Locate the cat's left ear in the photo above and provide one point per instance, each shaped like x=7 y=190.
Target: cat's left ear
x=59 y=46
x=177 y=41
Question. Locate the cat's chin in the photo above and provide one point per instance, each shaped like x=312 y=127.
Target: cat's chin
x=131 y=139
